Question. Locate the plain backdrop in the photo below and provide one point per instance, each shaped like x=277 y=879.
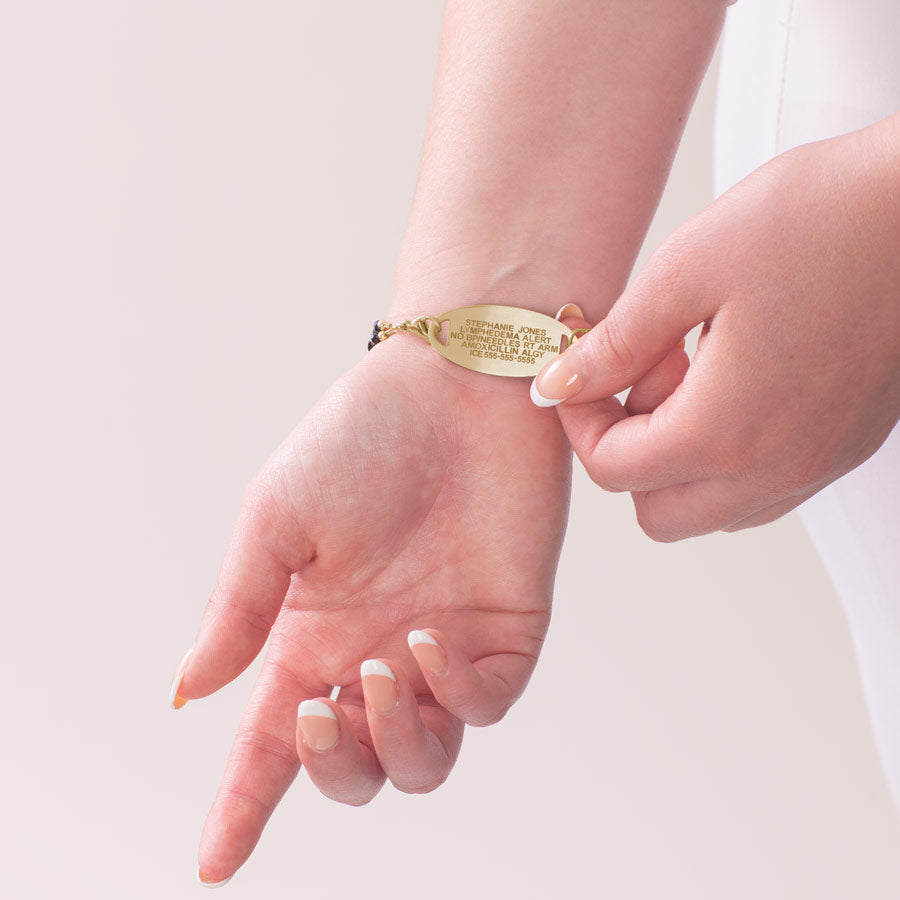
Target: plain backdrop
x=192 y=196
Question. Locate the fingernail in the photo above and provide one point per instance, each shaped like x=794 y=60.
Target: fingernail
x=318 y=725
x=208 y=882
x=569 y=311
x=558 y=381
x=428 y=652
x=379 y=685
x=176 y=701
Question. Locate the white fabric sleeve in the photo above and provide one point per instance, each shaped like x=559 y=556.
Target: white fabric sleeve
x=795 y=71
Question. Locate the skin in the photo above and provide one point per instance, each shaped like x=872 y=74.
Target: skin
x=417 y=495
x=794 y=274
x=382 y=511
x=402 y=501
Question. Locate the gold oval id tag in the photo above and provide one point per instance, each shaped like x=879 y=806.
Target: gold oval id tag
x=498 y=340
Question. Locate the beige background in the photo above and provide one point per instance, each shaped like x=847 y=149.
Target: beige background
x=189 y=191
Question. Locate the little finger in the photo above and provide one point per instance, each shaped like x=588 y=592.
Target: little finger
x=479 y=693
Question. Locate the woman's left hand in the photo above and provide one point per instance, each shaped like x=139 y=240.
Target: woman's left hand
x=415 y=495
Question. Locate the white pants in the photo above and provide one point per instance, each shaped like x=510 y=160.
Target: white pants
x=795 y=71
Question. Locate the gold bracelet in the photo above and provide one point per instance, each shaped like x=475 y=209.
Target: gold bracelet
x=496 y=340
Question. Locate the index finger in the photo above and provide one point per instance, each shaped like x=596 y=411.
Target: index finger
x=261 y=766
x=643 y=452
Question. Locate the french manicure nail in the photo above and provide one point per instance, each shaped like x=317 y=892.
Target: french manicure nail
x=176 y=701
x=379 y=685
x=318 y=725
x=558 y=381
x=428 y=652
x=569 y=311
x=208 y=882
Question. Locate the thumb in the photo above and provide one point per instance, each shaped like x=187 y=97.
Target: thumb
x=646 y=323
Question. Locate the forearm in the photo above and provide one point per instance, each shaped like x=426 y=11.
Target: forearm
x=552 y=130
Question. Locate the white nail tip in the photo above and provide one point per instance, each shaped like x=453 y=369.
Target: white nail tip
x=538 y=399
x=568 y=309
x=179 y=677
x=213 y=884
x=375 y=667
x=421 y=637
x=315 y=708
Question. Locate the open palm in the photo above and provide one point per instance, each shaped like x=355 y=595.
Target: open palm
x=414 y=495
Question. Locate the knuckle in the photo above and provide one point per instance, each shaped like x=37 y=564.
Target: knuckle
x=612 y=345
x=459 y=698
x=237 y=797
x=271 y=519
x=254 y=620
x=347 y=786
x=808 y=468
x=656 y=525
x=256 y=499
x=657 y=533
x=254 y=745
x=604 y=480
x=425 y=786
x=225 y=600
x=485 y=720
x=348 y=790
x=470 y=709
x=265 y=503
x=352 y=801
x=670 y=267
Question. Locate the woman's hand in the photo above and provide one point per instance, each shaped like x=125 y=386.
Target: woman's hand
x=415 y=495
x=795 y=273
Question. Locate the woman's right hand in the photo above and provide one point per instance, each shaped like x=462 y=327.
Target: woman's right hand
x=794 y=274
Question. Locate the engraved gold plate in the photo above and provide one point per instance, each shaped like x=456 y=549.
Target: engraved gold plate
x=498 y=340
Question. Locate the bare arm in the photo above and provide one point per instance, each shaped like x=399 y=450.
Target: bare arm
x=552 y=131
x=551 y=134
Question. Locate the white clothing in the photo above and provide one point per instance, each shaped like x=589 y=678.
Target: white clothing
x=795 y=71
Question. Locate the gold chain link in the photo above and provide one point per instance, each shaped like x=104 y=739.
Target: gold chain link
x=420 y=326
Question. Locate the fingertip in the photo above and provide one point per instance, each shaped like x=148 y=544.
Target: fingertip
x=317 y=726
x=539 y=399
x=414 y=744
x=176 y=700
x=315 y=708
x=208 y=882
x=376 y=667
x=659 y=384
x=380 y=687
x=585 y=424
x=337 y=763
x=569 y=311
x=428 y=653
x=559 y=380
x=475 y=693
x=420 y=637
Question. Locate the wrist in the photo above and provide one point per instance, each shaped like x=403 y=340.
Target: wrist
x=425 y=367
x=505 y=273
